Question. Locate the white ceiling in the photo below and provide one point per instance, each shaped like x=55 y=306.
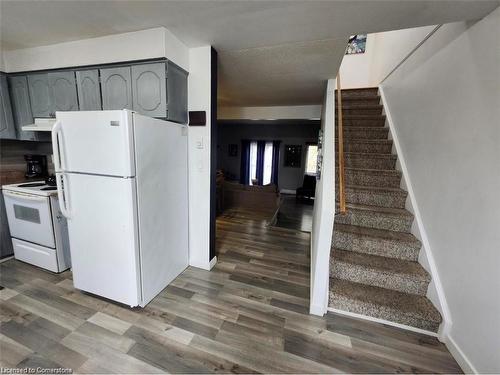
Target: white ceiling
x=271 y=52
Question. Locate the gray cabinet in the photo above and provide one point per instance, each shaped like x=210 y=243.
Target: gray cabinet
x=40 y=95
x=7 y=125
x=177 y=94
x=5 y=239
x=149 y=92
x=116 y=88
x=21 y=107
x=89 y=91
x=63 y=91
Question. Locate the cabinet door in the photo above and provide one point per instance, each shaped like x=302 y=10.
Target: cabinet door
x=19 y=94
x=89 y=91
x=63 y=88
x=177 y=94
x=40 y=95
x=7 y=126
x=116 y=88
x=149 y=89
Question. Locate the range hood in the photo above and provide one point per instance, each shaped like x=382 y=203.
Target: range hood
x=40 y=125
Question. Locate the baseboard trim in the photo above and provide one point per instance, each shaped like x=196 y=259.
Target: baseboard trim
x=457 y=353
x=212 y=262
x=6 y=258
x=444 y=309
x=288 y=191
x=383 y=321
x=203 y=265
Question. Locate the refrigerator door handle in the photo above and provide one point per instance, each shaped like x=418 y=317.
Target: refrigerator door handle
x=63 y=195
x=57 y=145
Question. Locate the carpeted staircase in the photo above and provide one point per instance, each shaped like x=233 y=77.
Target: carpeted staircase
x=373 y=264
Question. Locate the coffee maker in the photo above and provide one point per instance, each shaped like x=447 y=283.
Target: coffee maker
x=36 y=165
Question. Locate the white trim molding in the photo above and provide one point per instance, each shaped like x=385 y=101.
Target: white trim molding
x=382 y=321
x=457 y=353
x=445 y=327
x=202 y=264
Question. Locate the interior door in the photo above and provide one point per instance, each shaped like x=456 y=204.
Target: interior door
x=89 y=91
x=116 y=88
x=63 y=87
x=40 y=95
x=149 y=89
x=97 y=142
x=103 y=237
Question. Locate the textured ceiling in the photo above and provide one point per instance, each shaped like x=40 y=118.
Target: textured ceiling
x=271 y=52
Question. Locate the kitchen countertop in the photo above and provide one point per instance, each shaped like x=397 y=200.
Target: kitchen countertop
x=15 y=177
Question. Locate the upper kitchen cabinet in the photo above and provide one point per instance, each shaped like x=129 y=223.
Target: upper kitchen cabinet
x=7 y=126
x=63 y=91
x=21 y=106
x=89 y=92
x=177 y=88
x=149 y=91
x=116 y=88
x=40 y=95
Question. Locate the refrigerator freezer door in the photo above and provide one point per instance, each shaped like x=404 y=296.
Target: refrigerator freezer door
x=94 y=142
x=161 y=164
x=103 y=236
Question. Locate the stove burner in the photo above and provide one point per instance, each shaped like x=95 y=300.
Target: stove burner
x=32 y=184
x=49 y=188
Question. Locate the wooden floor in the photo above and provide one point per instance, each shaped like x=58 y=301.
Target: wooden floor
x=248 y=315
x=294 y=214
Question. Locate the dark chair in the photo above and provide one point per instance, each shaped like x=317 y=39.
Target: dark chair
x=308 y=189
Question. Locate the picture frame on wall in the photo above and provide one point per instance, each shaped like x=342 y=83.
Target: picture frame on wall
x=293 y=156
x=232 y=150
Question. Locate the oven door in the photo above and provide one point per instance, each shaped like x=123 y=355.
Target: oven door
x=29 y=218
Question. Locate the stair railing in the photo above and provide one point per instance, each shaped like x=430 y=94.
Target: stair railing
x=340 y=130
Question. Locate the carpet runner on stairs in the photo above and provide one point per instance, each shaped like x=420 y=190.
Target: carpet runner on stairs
x=374 y=269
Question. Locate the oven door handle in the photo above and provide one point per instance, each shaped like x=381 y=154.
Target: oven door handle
x=24 y=196
x=63 y=195
x=57 y=145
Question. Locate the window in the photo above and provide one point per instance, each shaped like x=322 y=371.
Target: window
x=311 y=159
x=253 y=164
x=266 y=163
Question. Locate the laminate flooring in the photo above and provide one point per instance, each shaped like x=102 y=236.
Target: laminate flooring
x=248 y=315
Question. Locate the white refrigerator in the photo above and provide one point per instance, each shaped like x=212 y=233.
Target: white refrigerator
x=122 y=185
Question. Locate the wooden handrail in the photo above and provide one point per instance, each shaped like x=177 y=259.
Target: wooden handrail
x=341 y=148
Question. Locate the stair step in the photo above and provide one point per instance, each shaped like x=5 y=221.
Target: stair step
x=362 y=120
x=374 y=196
x=395 y=219
x=354 y=102
x=408 y=309
x=368 y=109
x=368 y=160
x=372 y=177
x=366 y=92
x=377 y=146
x=373 y=241
x=395 y=274
x=364 y=132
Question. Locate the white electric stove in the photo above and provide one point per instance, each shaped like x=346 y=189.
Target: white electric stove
x=38 y=229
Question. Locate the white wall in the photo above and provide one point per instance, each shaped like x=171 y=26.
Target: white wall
x=324 y=210
x=383 y=52
x=270 y=113
x=199 y=141
x=138 y=45
x=445 y=106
